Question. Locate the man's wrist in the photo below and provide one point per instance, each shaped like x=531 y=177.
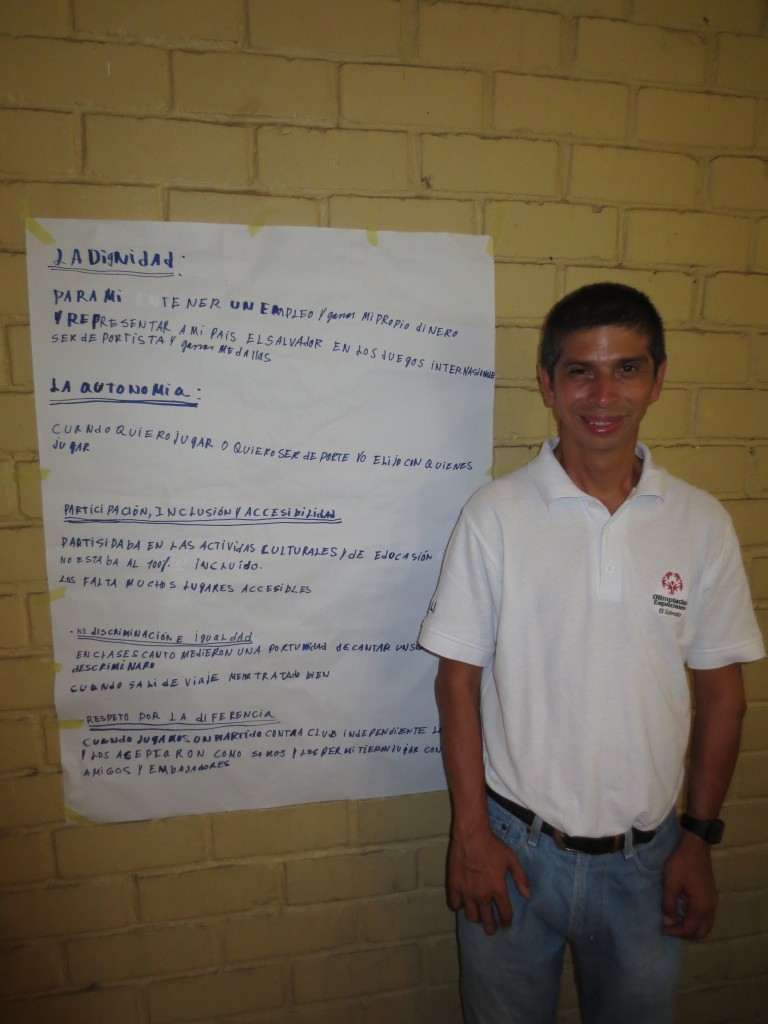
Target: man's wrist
x=710 y=830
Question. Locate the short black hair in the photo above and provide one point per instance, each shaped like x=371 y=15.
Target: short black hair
x=601 y=305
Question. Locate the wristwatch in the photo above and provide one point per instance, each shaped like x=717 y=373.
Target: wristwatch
x=710 y=830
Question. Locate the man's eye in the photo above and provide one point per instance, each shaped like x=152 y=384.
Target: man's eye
x=578 y=371
x=629 y=368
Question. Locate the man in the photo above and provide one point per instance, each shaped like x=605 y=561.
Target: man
x=572 y=595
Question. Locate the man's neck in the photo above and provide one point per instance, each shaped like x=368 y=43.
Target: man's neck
x=608 y=476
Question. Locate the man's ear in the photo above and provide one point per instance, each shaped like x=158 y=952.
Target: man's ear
x=545 y=383
x=658 y=381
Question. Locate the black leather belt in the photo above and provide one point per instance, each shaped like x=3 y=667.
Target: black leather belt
x=578 y=844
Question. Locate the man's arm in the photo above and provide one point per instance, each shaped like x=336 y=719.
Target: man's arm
x=690 y=893
x=477 y=861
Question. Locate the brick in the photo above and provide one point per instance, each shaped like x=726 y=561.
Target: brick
x=669 y=417
x=524 y=291
x=754 y=733
x=83 y=75
x=18 y=423
x=552 y=231
x=511 y=457
x=37 y=143
x=641 y=53
x=516 y=354
x=752 y=778
x=9 y=497
x=335 y=28
x=519 y=413
x=30 y=968
x=430 y=862
x=290 y=932
x=411 y=96
x=694 y=239
x=633 y=176
x=424 y=1004
x=13 y=630
x=20 y=351
x=465 y=163
x=737 y=299
x=21 y=555
x=760 y=578
x=761 y=255
x=701 y=15
x=26 y=683
x=312 y=159
x=39 y=609
x=30 y=492
x=744 y=1001
x=125 y=149
x=216 y=995
x=729 y=413
x=759 y=474
x=672 y=292
x=365 y=873
x=741 y=62
x=142 y=953
x=206 y=21
x=43 y=18
x=719 y=469
x=66 y=909
x=756 y=672
x=702 y=358
x=739 y=183
x=357 y=973
x=239 y=208
x=401 y=818
x=280 y=830
x=250 y=86
x=19 y=200
x=762 y=358
x=20 y=740
x=207 y=891
x=746 y=957
x=749 y=519
x=52 y=740
x=441 y=962
x=108 y=849
x=13 y=286
x=456 y=216
x=469 y=37
x=26 y=857
x=411 y=915
x=117 y=1005
x=558 y=106
x=31 y=800
x=695 y=119
x=734 y=917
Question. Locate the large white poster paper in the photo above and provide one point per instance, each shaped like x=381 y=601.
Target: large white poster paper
x=254 y=446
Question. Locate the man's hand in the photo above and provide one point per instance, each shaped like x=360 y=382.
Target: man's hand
x=690 y=893
x=477 y=878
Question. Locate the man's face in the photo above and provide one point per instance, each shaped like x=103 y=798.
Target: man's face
x=601 y=386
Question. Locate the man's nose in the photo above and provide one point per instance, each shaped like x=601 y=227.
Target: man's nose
x=603 y=389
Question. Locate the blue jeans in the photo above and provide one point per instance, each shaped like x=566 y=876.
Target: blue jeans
x=607 y=906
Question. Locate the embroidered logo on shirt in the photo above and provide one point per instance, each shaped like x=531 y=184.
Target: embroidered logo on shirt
x=668 y=603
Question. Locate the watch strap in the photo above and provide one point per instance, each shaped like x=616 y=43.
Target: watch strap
x=709 y=829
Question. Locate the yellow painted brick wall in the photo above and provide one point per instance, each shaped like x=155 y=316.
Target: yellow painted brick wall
x=592 y=139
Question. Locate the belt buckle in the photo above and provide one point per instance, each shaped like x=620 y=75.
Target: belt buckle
x=561 y=840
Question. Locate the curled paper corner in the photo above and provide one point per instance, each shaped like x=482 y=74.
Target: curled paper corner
x=76 y=819
x=56 y=667
x=36 y=228
x=70 y=723
x=489 y=246
x=254 y=229
x=372 y=235
x=57 y=594
x=44 y=473
x=489 y=471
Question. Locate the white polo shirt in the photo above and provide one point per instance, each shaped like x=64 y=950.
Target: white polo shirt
x=583 y=623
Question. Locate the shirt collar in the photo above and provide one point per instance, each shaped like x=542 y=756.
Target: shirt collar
x=553 y=483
